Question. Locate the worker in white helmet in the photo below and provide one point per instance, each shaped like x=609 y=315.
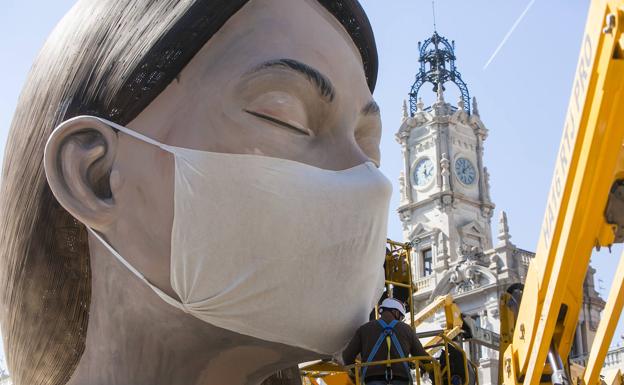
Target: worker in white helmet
x=383 y=339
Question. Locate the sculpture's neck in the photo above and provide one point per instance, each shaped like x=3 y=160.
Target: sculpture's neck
x=136 y=338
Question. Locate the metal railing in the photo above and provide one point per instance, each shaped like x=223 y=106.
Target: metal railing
x=429 y=363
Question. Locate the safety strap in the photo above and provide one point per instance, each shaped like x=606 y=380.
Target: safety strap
x=387 y=335
x=377 y=345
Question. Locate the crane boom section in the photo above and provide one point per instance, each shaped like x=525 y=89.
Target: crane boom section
x=586 y=167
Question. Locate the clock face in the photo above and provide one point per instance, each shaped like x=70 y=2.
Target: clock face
x=465 y=171
x=423 y=173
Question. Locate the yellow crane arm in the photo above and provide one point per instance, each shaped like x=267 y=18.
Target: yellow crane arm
x=588 y=163
x=452 y=313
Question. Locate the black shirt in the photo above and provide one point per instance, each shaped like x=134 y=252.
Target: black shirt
x=366 y=337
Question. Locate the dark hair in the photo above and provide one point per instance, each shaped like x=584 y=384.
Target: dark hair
x=109 y=58
x=175 y=48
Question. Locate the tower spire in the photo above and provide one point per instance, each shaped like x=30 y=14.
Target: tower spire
x=475 y=108
x=503 y=229
x=434 y=16
x=437 y=66
x=440 y=93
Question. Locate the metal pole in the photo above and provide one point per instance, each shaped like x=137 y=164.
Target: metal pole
x=606 y=327
x=408 y=251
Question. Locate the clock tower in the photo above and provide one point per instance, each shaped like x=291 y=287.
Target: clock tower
x=445 y=203
x=446 y=210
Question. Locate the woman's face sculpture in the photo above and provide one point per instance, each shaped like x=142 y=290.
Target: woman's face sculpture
x=281 y=79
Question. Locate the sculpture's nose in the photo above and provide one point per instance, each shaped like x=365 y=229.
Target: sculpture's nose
x=346 y=153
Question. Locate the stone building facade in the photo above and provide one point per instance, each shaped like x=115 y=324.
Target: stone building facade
x=446 y=209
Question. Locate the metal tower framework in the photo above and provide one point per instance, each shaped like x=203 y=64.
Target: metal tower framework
x=438 y=55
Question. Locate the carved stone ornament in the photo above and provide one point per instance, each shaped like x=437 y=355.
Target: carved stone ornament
x=494 y=259
x=440 y=242
x=482 y=133
x=420 y=106
x=402 y=136
x=405 y=113
x=402 y=185
x=445 y=165
x=468 y=275
x=460 y=103
x=445 y=202
x=470 y=253
x=465 y=277
x=405 y=216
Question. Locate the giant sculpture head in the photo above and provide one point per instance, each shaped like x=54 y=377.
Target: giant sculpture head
x=222 y=155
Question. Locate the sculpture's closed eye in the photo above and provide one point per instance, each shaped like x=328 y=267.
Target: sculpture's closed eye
x=282 y=109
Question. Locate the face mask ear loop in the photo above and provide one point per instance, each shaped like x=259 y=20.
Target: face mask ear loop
x=136 y=135
x=167 y=298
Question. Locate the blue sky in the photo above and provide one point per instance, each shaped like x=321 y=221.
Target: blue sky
x=522 y=95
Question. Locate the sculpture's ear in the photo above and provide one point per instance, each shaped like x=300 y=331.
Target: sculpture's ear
x=78 y=159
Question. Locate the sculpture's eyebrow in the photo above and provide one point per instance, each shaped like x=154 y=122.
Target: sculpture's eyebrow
x=372 y=108
x=320 y=81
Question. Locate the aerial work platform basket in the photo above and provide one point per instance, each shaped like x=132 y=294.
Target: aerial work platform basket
x=399 y=281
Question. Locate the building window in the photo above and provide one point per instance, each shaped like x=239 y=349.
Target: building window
x=427 y=262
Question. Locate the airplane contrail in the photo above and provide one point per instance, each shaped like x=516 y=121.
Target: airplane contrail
x=511 y=30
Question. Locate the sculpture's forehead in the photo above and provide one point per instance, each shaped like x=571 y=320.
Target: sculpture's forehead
x=265 y=30
x=207 y=96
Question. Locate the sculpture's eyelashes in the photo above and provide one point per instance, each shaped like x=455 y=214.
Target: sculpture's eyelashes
x=285 y=108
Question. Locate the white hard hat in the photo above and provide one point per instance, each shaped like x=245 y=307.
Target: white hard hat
x=391 y=303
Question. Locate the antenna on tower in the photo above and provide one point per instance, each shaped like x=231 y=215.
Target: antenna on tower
x=433 y=11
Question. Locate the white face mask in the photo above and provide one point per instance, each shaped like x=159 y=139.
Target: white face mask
x=273 y=248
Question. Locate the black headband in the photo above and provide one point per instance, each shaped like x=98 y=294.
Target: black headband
x=166 y=58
